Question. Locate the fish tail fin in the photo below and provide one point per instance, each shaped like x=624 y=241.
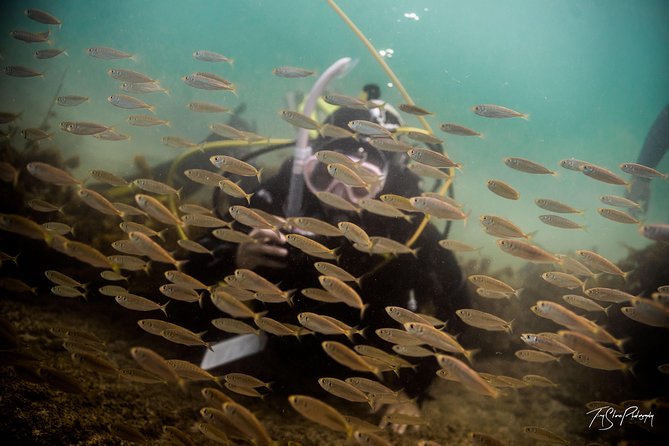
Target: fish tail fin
x=161 y=234
x=363 y=309
x=179 y=264
x=469 y=354
x=163 y=308
x=607 y=309
x=231 y=61
x=525 y=116
x=517 y=293
x=509 y=327
x=248 y=197
x=627 y=273
x=259 y=174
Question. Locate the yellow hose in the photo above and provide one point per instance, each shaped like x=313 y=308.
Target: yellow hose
x=405 y=95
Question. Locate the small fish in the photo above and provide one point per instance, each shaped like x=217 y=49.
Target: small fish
x=311 y=247
x=347 y=176
x=590 y=353
x=424 y=137
x=398 y=201
x=249 y=217
x=83 y=127
x=180 y=292
x=369 y=128
x=95 y=363
x=546 y=344
x=35 y=135
x=49 y=53
x=614 y=200
x=151 y=249
x=344 y=390
x=658 y=232
x=438 y=208
x=139 y=303
x=42 y=17
x=31 y=37
x=106 y=53
x=617 y=215
x=432 y=158
x=455 y=129
x=153 y=363
x=369 y=439
x=315 y=226
x=467 y=376
x=233 y=189
x=348 y=358
x=242 y=379
x=342 y=100
x=428 y=334
x=157 y=210
x=378 y=207
x=535 y=356
x=538 y=381
x=573 y=266
x=493 y=284
x=497 y=111
x=544 y=435
x=563 y=280
x=390 y=145
x=178 y=142
x=128 y=102
x=51 y=174
x=526 y=251
x=97 y=202
x=413 y=109
x=206 y=107
x=111 y=135
x=560 y=222
x=71 y=101
x=326 y=325
x=235 y=326
x=213 y=432
x=211 y=56
x=277 y=328
x=113 y=276
x=123 y=75
x=600 y=263
x=146 y=121
x=402 y=315
x=112 y=290
x=329 y=269
x=192 y=208
x=556 y=206
x=247 y=423
x=40 y=205
x=527 y=166
x=291 y=72
x=602 y=174
x=457 y=246
x=657 y=317
x=184 y=337
x=143 y=88
x=108 y=178
x=19 y=286
x=319 y=295
x=483 y=320
x=155 y=187
x=140 y=376
x=299 y=120
x=62 y=279
x=21 y=71
x=233 y=165
x=424 y=170
x=641 y=171
x=609 y=295
x=336 y=201
x=583 y=303
x=502 y=189
x=23 y=226
x=204 y=82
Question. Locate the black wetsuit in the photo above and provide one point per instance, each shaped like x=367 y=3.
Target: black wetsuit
x=431 y=283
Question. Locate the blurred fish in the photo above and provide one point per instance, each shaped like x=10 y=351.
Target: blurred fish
x=573 y=266
x=178 y=142
x=501 y=227
x=413 y=109
x=544 y=435
x=349 y=358
x=438 y=208
x=129 y=102
x=42 y=17
x=244 y=420
x=180 y=292
x=31 y=37
x=153 y=363
x=336 y=201
x=602 y=174
x=230 y=325
x=457 y=246
x=319 y=295
x=369 y=128
x=139 y=303
x=342 y=100
x=483 y=320
x=143 y=88
x=428 y=334
x=17 y=285
x=62 y=279
x=299 y=120
x=88 y=254
x=106 y=53
x=233 y=189
x=466 y=376
x=527 y=251
x=95 y=363
x=617 y=216
x=497 y=111
x=538 y=381
x=492 y=294
x=111 y=135
x=347 y=176
x=213 y=432
x=128 y=210
x=211 y=56
x=146 y=121
x=203 y=82
x=658 y=232
x=49 y=53
x=192 y=208
x=251 y=218
x=233 y=165
x=556 y=206
x=83 y=127
x=71 y=101
x=493 y=284
x=589 y=353
x=432 y=158
x=156 y=187
x=124 y=75
x=378 y=207
x=7 y=117
x=40 y=205
x=343 y=292
x=291 y=72
x=157 y=210
x=23 y=226
x=600 y=263
x=583 y=303
x=560 y=222
x=455 y=129
x=527 y=166
x=609 y=295
x=535 y=356
x=311 y=247
x=35 y=135
x=390 y=145
x=502 y=189
x=98 y=202
x=370 y=439
x=329 y=269
x=614 y=200
x=641 y=171
x=424 y=170
x=207 y=107
x=21 y=71
x=315 y=226
x=344 y=390
x=398 y=201
x=112 y=290
x=424 y=137
x=151 y=249
x=546 y=344
x=108 y=178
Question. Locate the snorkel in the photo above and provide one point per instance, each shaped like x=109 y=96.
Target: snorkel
x=302 y=148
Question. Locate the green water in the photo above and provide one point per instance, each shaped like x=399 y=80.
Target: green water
x=592 y=75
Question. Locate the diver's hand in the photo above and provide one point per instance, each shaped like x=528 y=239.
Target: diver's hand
x=409 y=408
x=264 y=252
x=639 y=191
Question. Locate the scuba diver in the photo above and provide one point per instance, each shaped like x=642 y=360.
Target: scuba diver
x=427 y=282
x=654 y=148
